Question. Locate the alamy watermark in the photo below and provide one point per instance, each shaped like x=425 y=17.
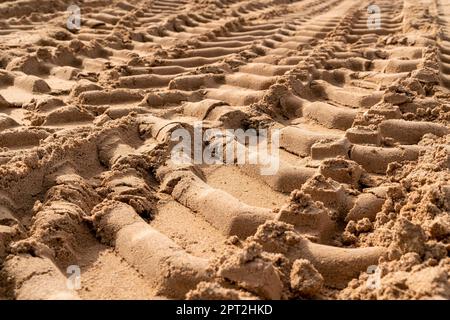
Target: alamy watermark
x=374 y=19
x=219 y=146
x=73 y=281
x=374 y=280
x=74 y=19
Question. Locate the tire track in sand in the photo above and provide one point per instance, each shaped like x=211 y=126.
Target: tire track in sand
x=86 y=122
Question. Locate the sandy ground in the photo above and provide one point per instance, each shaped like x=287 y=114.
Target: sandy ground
x=359 y=208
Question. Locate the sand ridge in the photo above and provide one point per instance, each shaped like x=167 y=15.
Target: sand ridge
x=359 y=208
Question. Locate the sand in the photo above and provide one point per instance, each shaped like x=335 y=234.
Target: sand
x=360 y=205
